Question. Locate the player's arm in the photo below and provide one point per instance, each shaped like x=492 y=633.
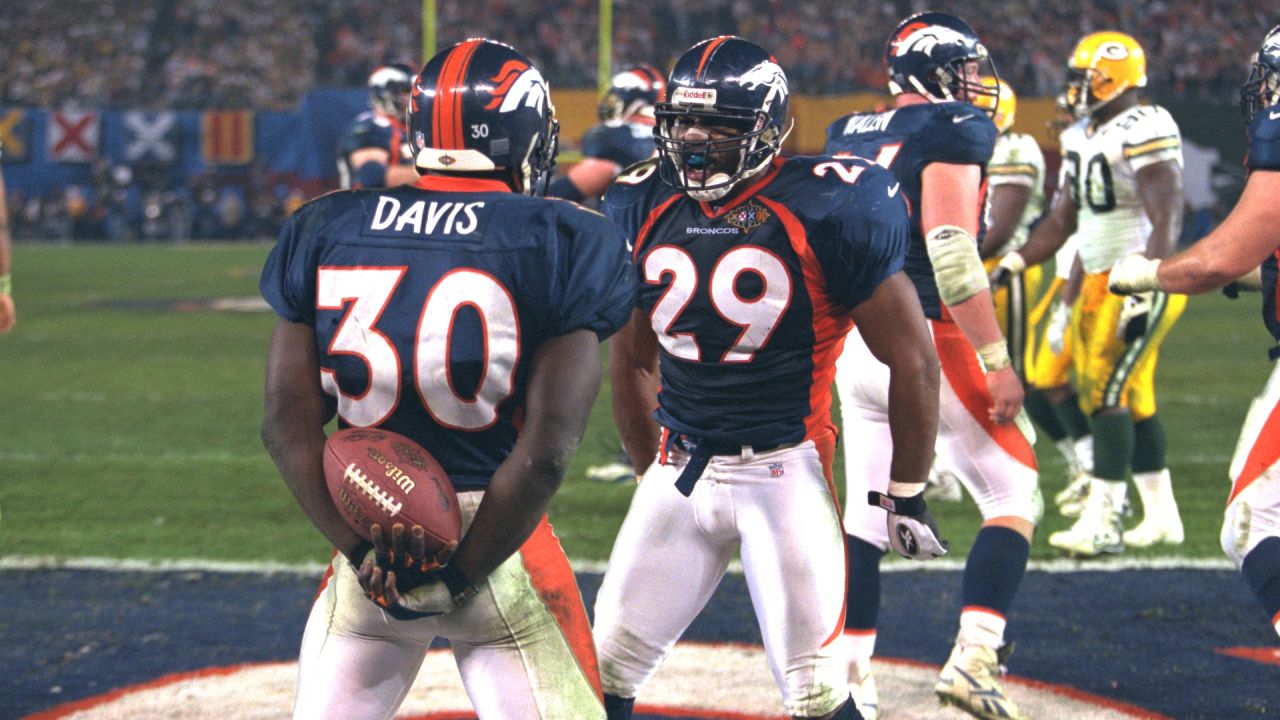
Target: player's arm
x=1160 y=191
x=564 y=380
x=1235 y=248
x=1049 y=234
x=950 y=202
x=401 y=175
x=293 y=423
x=8 y=316
x=586 y=180
x=1008 y=202
x=369 y=166
x=892 y=324
x=633 y=375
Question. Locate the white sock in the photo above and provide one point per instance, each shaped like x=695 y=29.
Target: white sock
x=860 y=646
x=1067 y=447
x=1084 y=451
x=1156 y=491
x=1114 y=490
x=981 y=627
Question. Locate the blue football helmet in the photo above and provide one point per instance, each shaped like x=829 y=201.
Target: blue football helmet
x=634 y=91
x=1262 y=89
x=389 y=88
x=481 y=106
x=736 y=88
x=928 y=53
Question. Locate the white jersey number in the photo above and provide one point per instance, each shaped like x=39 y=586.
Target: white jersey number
x=369 y=290
x=757 y=316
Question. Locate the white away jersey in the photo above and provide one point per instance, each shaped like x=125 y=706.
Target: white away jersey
x=1017 y=160
x=1099 y=167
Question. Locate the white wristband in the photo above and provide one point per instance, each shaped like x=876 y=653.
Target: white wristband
x=995 y=356
x=905 y=489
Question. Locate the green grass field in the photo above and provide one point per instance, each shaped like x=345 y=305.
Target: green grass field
x=129 y=417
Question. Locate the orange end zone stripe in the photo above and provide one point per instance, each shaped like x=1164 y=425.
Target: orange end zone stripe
x=552 y=578
x=446 y=119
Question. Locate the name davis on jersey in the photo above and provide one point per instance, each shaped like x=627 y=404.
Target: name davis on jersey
x=426 y=218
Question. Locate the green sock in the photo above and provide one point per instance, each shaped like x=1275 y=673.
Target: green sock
x=1149 y=446
x=1041 y=411
x=1072 y=417
x=1112 y=445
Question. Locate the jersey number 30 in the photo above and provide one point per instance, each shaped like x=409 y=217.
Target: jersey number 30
x=369 y=290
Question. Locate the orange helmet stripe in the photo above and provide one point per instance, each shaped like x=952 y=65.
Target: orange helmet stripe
x=446 y=116
x=710 y=50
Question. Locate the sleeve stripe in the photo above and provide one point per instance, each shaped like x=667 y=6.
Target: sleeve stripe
x=1150 y=146
x=1013 y=169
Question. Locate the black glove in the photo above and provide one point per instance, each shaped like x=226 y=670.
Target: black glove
x=913 y=533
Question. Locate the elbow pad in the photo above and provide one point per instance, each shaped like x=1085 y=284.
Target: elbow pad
x=371 y=175
x=957 y=269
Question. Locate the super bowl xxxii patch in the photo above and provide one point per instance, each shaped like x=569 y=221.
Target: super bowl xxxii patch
x=748 y=217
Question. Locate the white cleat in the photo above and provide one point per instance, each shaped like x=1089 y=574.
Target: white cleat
x=1070 y=500
x=943 y=486
x=1153 y=530
x=864 y=694
x=1098 y=530
x=971 y=682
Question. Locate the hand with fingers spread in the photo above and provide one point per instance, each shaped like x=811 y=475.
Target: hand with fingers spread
x=405 y=579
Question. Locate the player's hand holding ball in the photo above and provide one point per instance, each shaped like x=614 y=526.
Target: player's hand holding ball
x=913 y=533
x=403 y=577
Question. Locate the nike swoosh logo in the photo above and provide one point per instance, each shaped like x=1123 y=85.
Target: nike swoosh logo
x=893 y=190
x=1274 y=115
x=959 y=118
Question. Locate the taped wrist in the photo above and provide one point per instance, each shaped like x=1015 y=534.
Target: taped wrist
x=995 y=356
x=957 y=269
x=1014 y=262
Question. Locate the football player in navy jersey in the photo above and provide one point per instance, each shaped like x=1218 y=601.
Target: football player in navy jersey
x=937 y=144
x=468 y=316
x=623 y=137
x=375 y=152
x=1248 y=238
x=753 y=269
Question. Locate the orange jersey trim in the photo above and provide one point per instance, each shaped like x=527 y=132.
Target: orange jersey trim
x=1262 y=455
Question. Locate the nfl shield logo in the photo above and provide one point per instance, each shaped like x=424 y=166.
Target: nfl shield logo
x=775 y=470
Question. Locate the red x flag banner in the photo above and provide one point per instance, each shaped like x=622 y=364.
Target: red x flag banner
x=73 y=136
x=226 y=137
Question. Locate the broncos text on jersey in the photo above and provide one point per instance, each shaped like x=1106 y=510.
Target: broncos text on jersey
x=750 y=299
x=429 y=302
x=907 y=139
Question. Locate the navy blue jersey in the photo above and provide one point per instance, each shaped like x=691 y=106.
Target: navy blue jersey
x=372 y=130
x=428 y=302
x=1264 y=154
x=624 y=143
x=907 y=139
x=750 y=301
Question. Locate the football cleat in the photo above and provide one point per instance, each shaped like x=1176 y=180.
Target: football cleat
x=1098 y=530
x=942 y=486
x=1163 y=528
x=970 y=681
x=1070 y=500
x=862 y=685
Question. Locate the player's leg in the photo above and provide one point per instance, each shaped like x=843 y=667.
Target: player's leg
x=356 y=662
x=786 y=516
x=1251 y=524
x=862 y=385
x=661 y=573
x=997 y=464
x=1103 y=365
x=1161 y=522
x=523 y=645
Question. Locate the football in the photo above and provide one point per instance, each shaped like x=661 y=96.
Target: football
x=377 y=477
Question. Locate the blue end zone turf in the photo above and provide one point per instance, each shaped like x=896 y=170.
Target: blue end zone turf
x=1147 y=638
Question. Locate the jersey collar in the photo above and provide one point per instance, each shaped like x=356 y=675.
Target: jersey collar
x=448 y=183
